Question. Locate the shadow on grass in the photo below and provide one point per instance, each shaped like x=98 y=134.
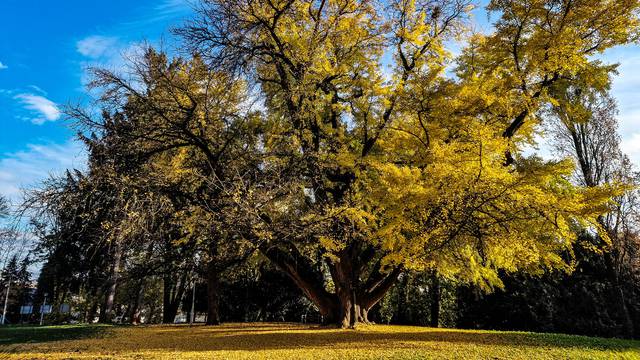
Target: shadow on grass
x=251 y=337
x=282 y=337
x=12 y=335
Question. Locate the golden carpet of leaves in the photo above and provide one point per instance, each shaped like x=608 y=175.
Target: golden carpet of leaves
x=294 y=341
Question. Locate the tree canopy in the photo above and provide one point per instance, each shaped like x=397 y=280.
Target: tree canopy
x=344 y=141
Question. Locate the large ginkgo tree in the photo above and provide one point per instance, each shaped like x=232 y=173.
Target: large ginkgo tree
x=373 y=149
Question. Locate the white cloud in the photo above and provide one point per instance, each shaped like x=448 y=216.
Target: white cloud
x=97 y=46
x=34 y=164
x=48 y=110
x=3 y=66
x=117 y=59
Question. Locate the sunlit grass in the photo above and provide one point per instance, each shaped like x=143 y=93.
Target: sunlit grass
x=292 y=341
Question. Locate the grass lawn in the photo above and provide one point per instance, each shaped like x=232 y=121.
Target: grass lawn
x=294 y=341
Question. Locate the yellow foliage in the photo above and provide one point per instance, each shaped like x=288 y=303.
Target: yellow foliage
x=428 y=168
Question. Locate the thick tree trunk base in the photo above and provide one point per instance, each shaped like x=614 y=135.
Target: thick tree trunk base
x=212 y=322
x=169 y=314
x=346 y=316
x=354 y=294
x=213 y=294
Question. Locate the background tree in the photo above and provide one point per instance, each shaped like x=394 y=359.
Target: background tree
x=187 y=126
x=16 y=273
x=586 y=130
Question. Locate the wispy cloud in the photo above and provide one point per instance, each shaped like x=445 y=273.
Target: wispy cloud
x=166 y=11
x=30 y=166
x=3 y=66
x=171 y=7
x=97 y=46
x=115 y=57
x=113 y=50
x=109 y=51
x=38 y=89
x=45 y=108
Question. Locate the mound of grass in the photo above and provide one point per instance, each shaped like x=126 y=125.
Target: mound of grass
x=294 y=341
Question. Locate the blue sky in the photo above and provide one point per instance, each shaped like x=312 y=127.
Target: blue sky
x=45 y=47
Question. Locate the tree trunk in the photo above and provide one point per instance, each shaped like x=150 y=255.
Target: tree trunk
x=167 y=311
x=435 y=299
x=172 y=297
x=213 y=293
x=354 y=303
x=107 y=310
x=404 y=315
x=137 y=305
x=343 y=274
x=93 y=297
x=354 y=297
x=350 y=313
